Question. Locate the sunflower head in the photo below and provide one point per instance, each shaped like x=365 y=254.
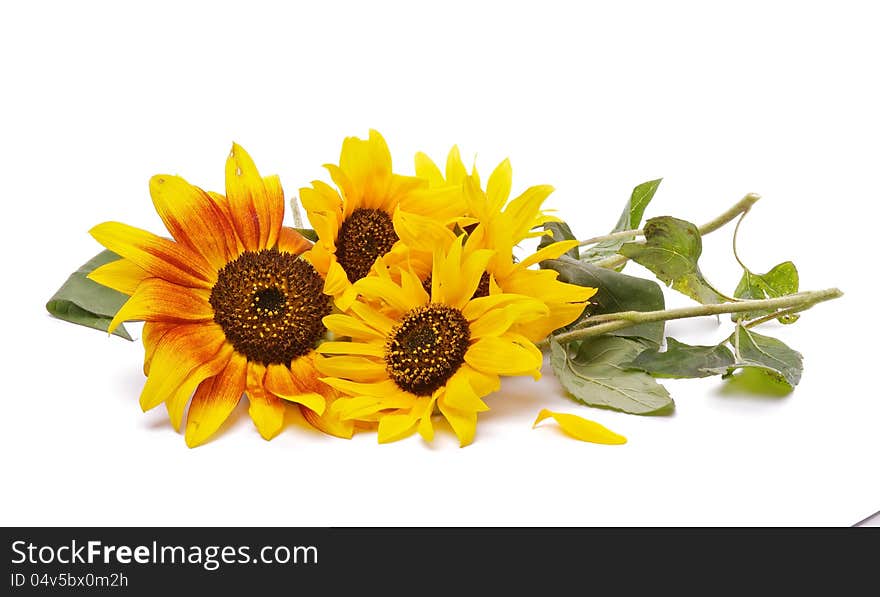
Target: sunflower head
x=232 y=303
x=495 y=222
x=369 y=212
x=412 y=350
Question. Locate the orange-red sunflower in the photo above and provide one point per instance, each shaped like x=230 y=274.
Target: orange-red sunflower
x=232 y=304
x=370 y=212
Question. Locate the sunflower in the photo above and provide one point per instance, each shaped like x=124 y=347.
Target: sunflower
x=495 y=223
x=232 y=304
x=371 y=210
x=412 y=350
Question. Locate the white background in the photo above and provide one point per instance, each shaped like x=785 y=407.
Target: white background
x=775 y=98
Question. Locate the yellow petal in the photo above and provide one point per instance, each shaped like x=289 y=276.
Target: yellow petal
x=455 y=170
x=582 y=429
x=337 y=280
x=266 y=411
x=503 y=357
x=416 y=230
x=464 y=423
x=121 y=275
x=396 y=427
x=378 y=289
x=549 y=252
x=461 y=396
x=523 y=213
x=352 y=367
x=346 y=325
x=427 y=169
x=498 y=187
x=355 y=388
x=426 y=427
x=374 y=318
x=360 y=348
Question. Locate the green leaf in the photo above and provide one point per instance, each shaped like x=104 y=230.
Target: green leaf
x=629 y=220
x=616 y=292
x=595 y=375
x=779 y=281
x=560 y=231
x=84 y=302
x=671 y=250
x=684 y=361
x=308 y=233
x=770 y=356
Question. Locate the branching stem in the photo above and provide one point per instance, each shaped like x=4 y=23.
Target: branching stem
x=740 y=207
x=612 y=322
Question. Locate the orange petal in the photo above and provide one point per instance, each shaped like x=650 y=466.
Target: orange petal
x=214 y=401
x=193 y=219
x=222 y=204
x=151 y=336
x=329 y=423
x=158 y=300
x=183 y=348
x=176 y=403
x=275 y=201
x=291 y=241
x=256 y=210
x=280 y=381
x=160 y=257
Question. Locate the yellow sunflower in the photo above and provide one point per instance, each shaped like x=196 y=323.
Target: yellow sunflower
x=412 y=350
x=232 y=304
x=495 y=223
x=369 y=212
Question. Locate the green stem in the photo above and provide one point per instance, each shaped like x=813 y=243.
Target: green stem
x=623 y=234
x=774 y=315
x=612 y=322
x=738 y=208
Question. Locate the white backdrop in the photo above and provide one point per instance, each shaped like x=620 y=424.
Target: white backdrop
x=775 y=98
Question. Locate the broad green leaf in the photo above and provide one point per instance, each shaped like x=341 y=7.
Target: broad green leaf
x=560 y=231
x=768 y=355
x=308 y=233
x=671 y=250
x=629 y=220
x=616 y=292
x=681 y=360
x=84 y=302
x=779 y=281
x=596 y=375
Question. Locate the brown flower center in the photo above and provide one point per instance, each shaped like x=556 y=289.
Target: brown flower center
x=427 y=348
x=364 y=235
x=270 y=305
